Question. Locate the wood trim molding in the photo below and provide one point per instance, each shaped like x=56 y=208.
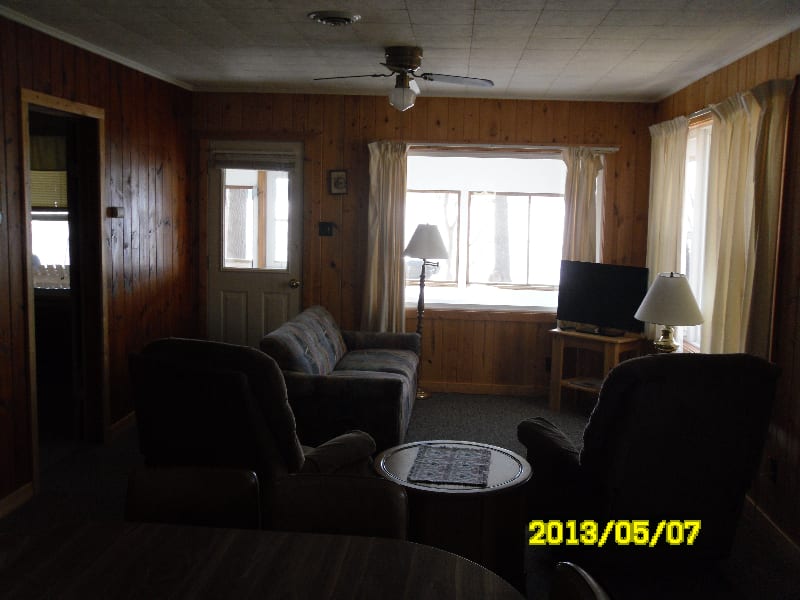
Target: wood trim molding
x=16 y=499
x=120 y=426
x=56 y=103
x=489 y=389
x=32 y=98
x=483 y=314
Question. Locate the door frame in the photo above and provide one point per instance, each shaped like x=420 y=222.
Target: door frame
x=94 y=331
x=311 y=171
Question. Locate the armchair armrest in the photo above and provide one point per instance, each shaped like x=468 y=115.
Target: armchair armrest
x=556 y=485
x=363 y=340
x=347 y=451
x=339 y=504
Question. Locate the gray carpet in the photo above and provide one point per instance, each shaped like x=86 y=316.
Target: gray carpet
x=488 y=419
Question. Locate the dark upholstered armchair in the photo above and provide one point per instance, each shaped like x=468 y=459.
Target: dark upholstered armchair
x=209 y=404
x=672 y=437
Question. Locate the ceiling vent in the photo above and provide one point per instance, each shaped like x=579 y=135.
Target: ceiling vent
x=334 y=18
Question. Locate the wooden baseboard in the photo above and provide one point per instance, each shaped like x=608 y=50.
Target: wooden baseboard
x=115 y=429
x=15 y=499
x=771 y=523
x=483 y=388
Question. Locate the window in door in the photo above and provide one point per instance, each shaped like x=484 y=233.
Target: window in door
x=255 y=219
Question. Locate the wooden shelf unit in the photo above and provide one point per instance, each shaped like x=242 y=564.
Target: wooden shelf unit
x=611 y=347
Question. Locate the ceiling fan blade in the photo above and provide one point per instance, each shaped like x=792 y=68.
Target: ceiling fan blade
x=457 y=79
x=353 y=76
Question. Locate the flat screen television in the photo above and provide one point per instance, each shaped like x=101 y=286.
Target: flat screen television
x=600 y=298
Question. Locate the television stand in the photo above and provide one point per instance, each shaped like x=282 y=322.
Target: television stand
x=611 y=347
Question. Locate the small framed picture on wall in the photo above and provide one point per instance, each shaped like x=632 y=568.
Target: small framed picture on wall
x=337 y=182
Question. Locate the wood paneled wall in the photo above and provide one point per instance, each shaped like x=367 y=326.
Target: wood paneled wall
x=777 y=489
x=508 y=351
x=780 y=59
x=337 y=129
x=151 y=267
x=484 y=352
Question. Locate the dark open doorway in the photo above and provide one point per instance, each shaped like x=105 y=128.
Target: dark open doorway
x=68 y=356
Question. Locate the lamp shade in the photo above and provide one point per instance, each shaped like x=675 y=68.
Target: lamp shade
x=670 y=301
x=404 y=93
x=402 y=98
x=426 y=243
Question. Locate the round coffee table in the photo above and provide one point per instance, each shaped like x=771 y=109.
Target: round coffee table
x=507 y=469
x=485 y=524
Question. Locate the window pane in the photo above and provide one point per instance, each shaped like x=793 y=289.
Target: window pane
x=694 y=217
x=504 y=230
x=50 y=238
x=498 y=231
x=547 y=237
x=277 y=234
x=440 y=209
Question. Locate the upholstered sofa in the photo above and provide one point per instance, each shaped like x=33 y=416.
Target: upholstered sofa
x=342 y=380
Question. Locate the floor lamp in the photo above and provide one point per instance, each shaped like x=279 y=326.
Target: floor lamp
x=426 y=243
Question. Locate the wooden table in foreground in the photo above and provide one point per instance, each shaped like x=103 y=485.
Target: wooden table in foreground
x=145 y=560
x=483 y=524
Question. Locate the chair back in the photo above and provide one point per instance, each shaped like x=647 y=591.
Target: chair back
x=679 y=437
x=213 y=404
x=571 y=582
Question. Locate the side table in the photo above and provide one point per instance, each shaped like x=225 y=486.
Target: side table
x=611 y=347
x=483 y=524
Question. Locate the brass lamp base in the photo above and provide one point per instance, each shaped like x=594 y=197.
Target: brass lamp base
x=422 y=394
x=666 y=343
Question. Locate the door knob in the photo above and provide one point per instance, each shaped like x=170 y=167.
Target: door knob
x=294 y=283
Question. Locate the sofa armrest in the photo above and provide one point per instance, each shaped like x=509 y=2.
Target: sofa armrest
x=338 y=504
x=326 y=406
x=364 y=340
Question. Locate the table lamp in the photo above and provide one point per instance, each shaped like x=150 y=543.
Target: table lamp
x=669 y=302
x=426 y=243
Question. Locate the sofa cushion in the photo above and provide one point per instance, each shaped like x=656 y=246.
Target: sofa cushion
x=309 y=343
x=400 y=362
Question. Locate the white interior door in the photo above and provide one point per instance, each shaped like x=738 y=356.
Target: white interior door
x=255 y=212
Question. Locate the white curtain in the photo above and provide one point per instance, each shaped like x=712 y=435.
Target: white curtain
x=384 y=286
x=665 y=211
x=580 y=204
x=729 y=251
x=745 y=189
x=773 y=99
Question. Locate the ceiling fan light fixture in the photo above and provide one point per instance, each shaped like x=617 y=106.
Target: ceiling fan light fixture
x=334 y=18
x=404 y=93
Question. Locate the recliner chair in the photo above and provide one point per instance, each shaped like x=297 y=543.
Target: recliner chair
x=210 y=404
x=672 y=437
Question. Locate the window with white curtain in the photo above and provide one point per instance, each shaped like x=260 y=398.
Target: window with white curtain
x=501 y=217
x=695 y=201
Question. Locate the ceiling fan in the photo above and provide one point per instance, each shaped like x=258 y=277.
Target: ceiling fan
x=404 y=64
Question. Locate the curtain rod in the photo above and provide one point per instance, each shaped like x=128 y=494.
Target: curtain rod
x=599 y=149
x=700 y=113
